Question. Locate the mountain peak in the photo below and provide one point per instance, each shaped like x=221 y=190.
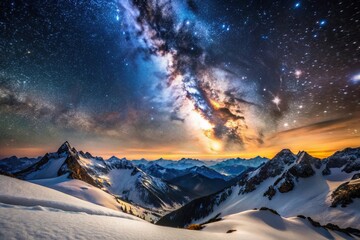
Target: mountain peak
x=65 y=147
x=284 y=152
x=114 y=158
x=286 y=156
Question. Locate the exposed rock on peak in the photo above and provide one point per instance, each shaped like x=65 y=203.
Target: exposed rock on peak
x=304 y=165
x=86 y=155
x=76 y=171
x=65 y=148
x=302 y=168
x=117 y=163
x=272 y=168
x=285 y=156
x=348 y=159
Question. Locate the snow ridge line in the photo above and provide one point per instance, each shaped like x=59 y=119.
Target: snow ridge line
x=29 y=202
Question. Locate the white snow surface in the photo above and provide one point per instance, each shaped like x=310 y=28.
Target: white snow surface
x=30 y=211
x=23 y=193
x=89 y=193
x=310 y=197
x=80 y=190
x=49 y=170
x=267 y=225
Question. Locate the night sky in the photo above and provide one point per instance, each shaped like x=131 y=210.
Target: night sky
x=181 y=78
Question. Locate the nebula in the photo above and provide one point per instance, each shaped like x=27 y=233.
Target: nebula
x=213 y=91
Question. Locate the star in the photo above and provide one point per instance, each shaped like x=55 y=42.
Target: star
x=277 y=101
x=322 y=22
x=356 y=78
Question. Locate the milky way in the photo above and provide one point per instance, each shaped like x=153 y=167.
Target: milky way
x=181 y=78
x=191 y=65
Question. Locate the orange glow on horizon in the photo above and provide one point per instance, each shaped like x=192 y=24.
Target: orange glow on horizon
x=319 y=139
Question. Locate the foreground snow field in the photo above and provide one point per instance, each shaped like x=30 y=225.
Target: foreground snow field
x=30 y=211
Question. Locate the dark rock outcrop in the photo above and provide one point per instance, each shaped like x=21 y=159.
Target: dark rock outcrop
x=348 y=159
x=346 y=192
x=272 y=168
x=270 y=192
x=76 y=171
x=286 y=186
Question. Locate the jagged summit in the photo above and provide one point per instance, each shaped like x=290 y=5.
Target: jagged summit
x=286 y=156
x=66 y=148
x=116 y=158
x=87 y=155
x=284 y=152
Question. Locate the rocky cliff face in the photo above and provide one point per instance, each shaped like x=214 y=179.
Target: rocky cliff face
x=348 y=160
x=270 y=169
x=346 y=192
x=303 y=168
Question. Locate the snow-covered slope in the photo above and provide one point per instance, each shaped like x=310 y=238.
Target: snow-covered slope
x=29 y=211
x=80 y=190
x=269 y=225
x=95 y=195
x=132 y=184
x=291 y=184
x=22 y=193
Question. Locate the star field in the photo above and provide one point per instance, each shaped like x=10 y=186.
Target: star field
x=179 y=78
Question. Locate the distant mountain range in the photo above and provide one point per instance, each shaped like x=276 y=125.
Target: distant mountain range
x=292 y=184
x=191 y=191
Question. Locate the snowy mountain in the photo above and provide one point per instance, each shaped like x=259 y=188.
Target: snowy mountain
x=199 y=185
x=118 y=177
x=226 y=169
x=168 y=173
x=132 y=184
x=236 y=166
x=161 y=172
x=181 y=164
x=30 y=211
x=207 y=172
x=196 y=181
x=185 y=163
x=292 y=185
x=13 y=164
